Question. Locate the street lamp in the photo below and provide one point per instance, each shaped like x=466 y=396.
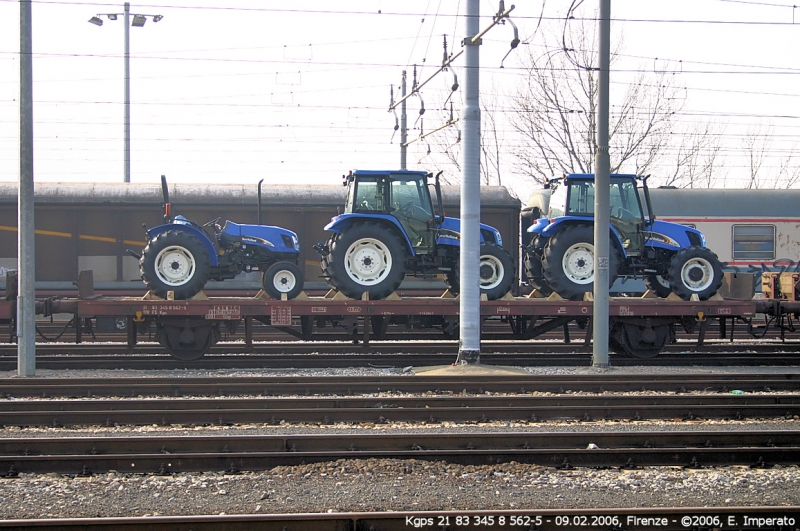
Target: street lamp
x=138 y=22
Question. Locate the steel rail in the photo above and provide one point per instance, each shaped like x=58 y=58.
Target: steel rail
x=171 y=454
x=358 y=385
x=472 y=409
x=629 y=518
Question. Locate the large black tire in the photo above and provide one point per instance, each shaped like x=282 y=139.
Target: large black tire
x=175 y=261
x=282 y=278
x=535 y=275
x=695 y=271
x=367 y=257
x=568 y=262
x=658 y=285
x=496 y=274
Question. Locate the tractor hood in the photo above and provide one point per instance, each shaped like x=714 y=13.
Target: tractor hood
x=673 y=235
x=275 y=238
x=450 y=229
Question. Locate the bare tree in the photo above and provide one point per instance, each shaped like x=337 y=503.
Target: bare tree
x=448 y=143
x=554 y=113
x=696 y=163
x=757 y=151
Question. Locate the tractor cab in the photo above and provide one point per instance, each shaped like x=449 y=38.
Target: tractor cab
x=575 y=197
x=403 y=195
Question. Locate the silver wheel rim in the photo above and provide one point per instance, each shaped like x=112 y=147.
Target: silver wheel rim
x=368 y=261
x=284 y=281
x=175 y=265
x=578 y=263
x=693 y=265
x=495 y=273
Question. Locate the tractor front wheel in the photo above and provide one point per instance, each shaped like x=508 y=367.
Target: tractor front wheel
x=496 y=273
x=175 y=261
x=695 y=271
x=282 y=278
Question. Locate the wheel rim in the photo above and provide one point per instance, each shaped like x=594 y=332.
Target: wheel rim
x=284 y=281
x=663 y=282
x=697 y=274
x=578 y=263
x=491 y=271
x=368 y=261
x=175 y=265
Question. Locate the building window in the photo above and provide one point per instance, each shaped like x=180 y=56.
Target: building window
x=754 y=242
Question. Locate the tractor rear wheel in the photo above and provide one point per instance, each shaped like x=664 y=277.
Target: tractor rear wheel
x=535 y=275
x=366 y=257
x=695 y=271
x=175 y=261
x=568 y=262
x=282 y=278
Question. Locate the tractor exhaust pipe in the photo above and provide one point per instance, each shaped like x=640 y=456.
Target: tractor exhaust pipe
x=259 y=200
x=165 y=194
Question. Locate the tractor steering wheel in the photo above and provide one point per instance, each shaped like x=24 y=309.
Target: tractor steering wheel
x=213 y=223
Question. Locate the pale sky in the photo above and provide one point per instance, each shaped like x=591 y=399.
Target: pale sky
x=298 y=92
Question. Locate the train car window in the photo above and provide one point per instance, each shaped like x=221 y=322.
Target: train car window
x=754 y=242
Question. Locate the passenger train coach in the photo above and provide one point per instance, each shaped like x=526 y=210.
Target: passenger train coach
x=751 y=231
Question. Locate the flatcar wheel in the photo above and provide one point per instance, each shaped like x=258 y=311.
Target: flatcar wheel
x=639 y=340
x=188 y=342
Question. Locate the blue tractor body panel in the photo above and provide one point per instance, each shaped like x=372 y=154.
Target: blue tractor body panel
x=276 y=239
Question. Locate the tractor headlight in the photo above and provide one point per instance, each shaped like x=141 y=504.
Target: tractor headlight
x=295 y=242
x=498 y=238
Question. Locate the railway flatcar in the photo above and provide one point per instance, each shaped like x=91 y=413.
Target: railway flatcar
x=89 y=226
x=751 y=231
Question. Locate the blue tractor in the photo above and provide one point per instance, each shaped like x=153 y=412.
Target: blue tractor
x=669 y=257
x=390 y=229
x=181 y=255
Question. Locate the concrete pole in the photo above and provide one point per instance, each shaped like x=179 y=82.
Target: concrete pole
x=26 y=262
x=127 y=177
x=601 y=197
x=403 y=125
x=469 y=348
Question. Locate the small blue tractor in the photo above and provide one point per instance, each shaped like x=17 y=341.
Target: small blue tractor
x=390 y=229
x=669 y=257
x=181 y=255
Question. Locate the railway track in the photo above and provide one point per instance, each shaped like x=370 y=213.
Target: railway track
x=635 y=519
x=338 y=355
x=160 y=454
x=320 y=386
x=383 y=410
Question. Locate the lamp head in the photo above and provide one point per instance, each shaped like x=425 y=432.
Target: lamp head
x=138 y=21
x=97 y=21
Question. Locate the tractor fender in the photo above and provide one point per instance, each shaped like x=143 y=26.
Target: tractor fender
x=344 y=221
x=557 y=226
x=185 y=227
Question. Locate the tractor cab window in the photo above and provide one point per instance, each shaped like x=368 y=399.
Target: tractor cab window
x=369 y=195
x=558 y=202
x=411 y=205
x=581 y=198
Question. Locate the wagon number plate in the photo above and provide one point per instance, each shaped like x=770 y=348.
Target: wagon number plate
x=280 y=315
x=224 y=311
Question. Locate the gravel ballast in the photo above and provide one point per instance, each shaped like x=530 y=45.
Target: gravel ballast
x=391 y=484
